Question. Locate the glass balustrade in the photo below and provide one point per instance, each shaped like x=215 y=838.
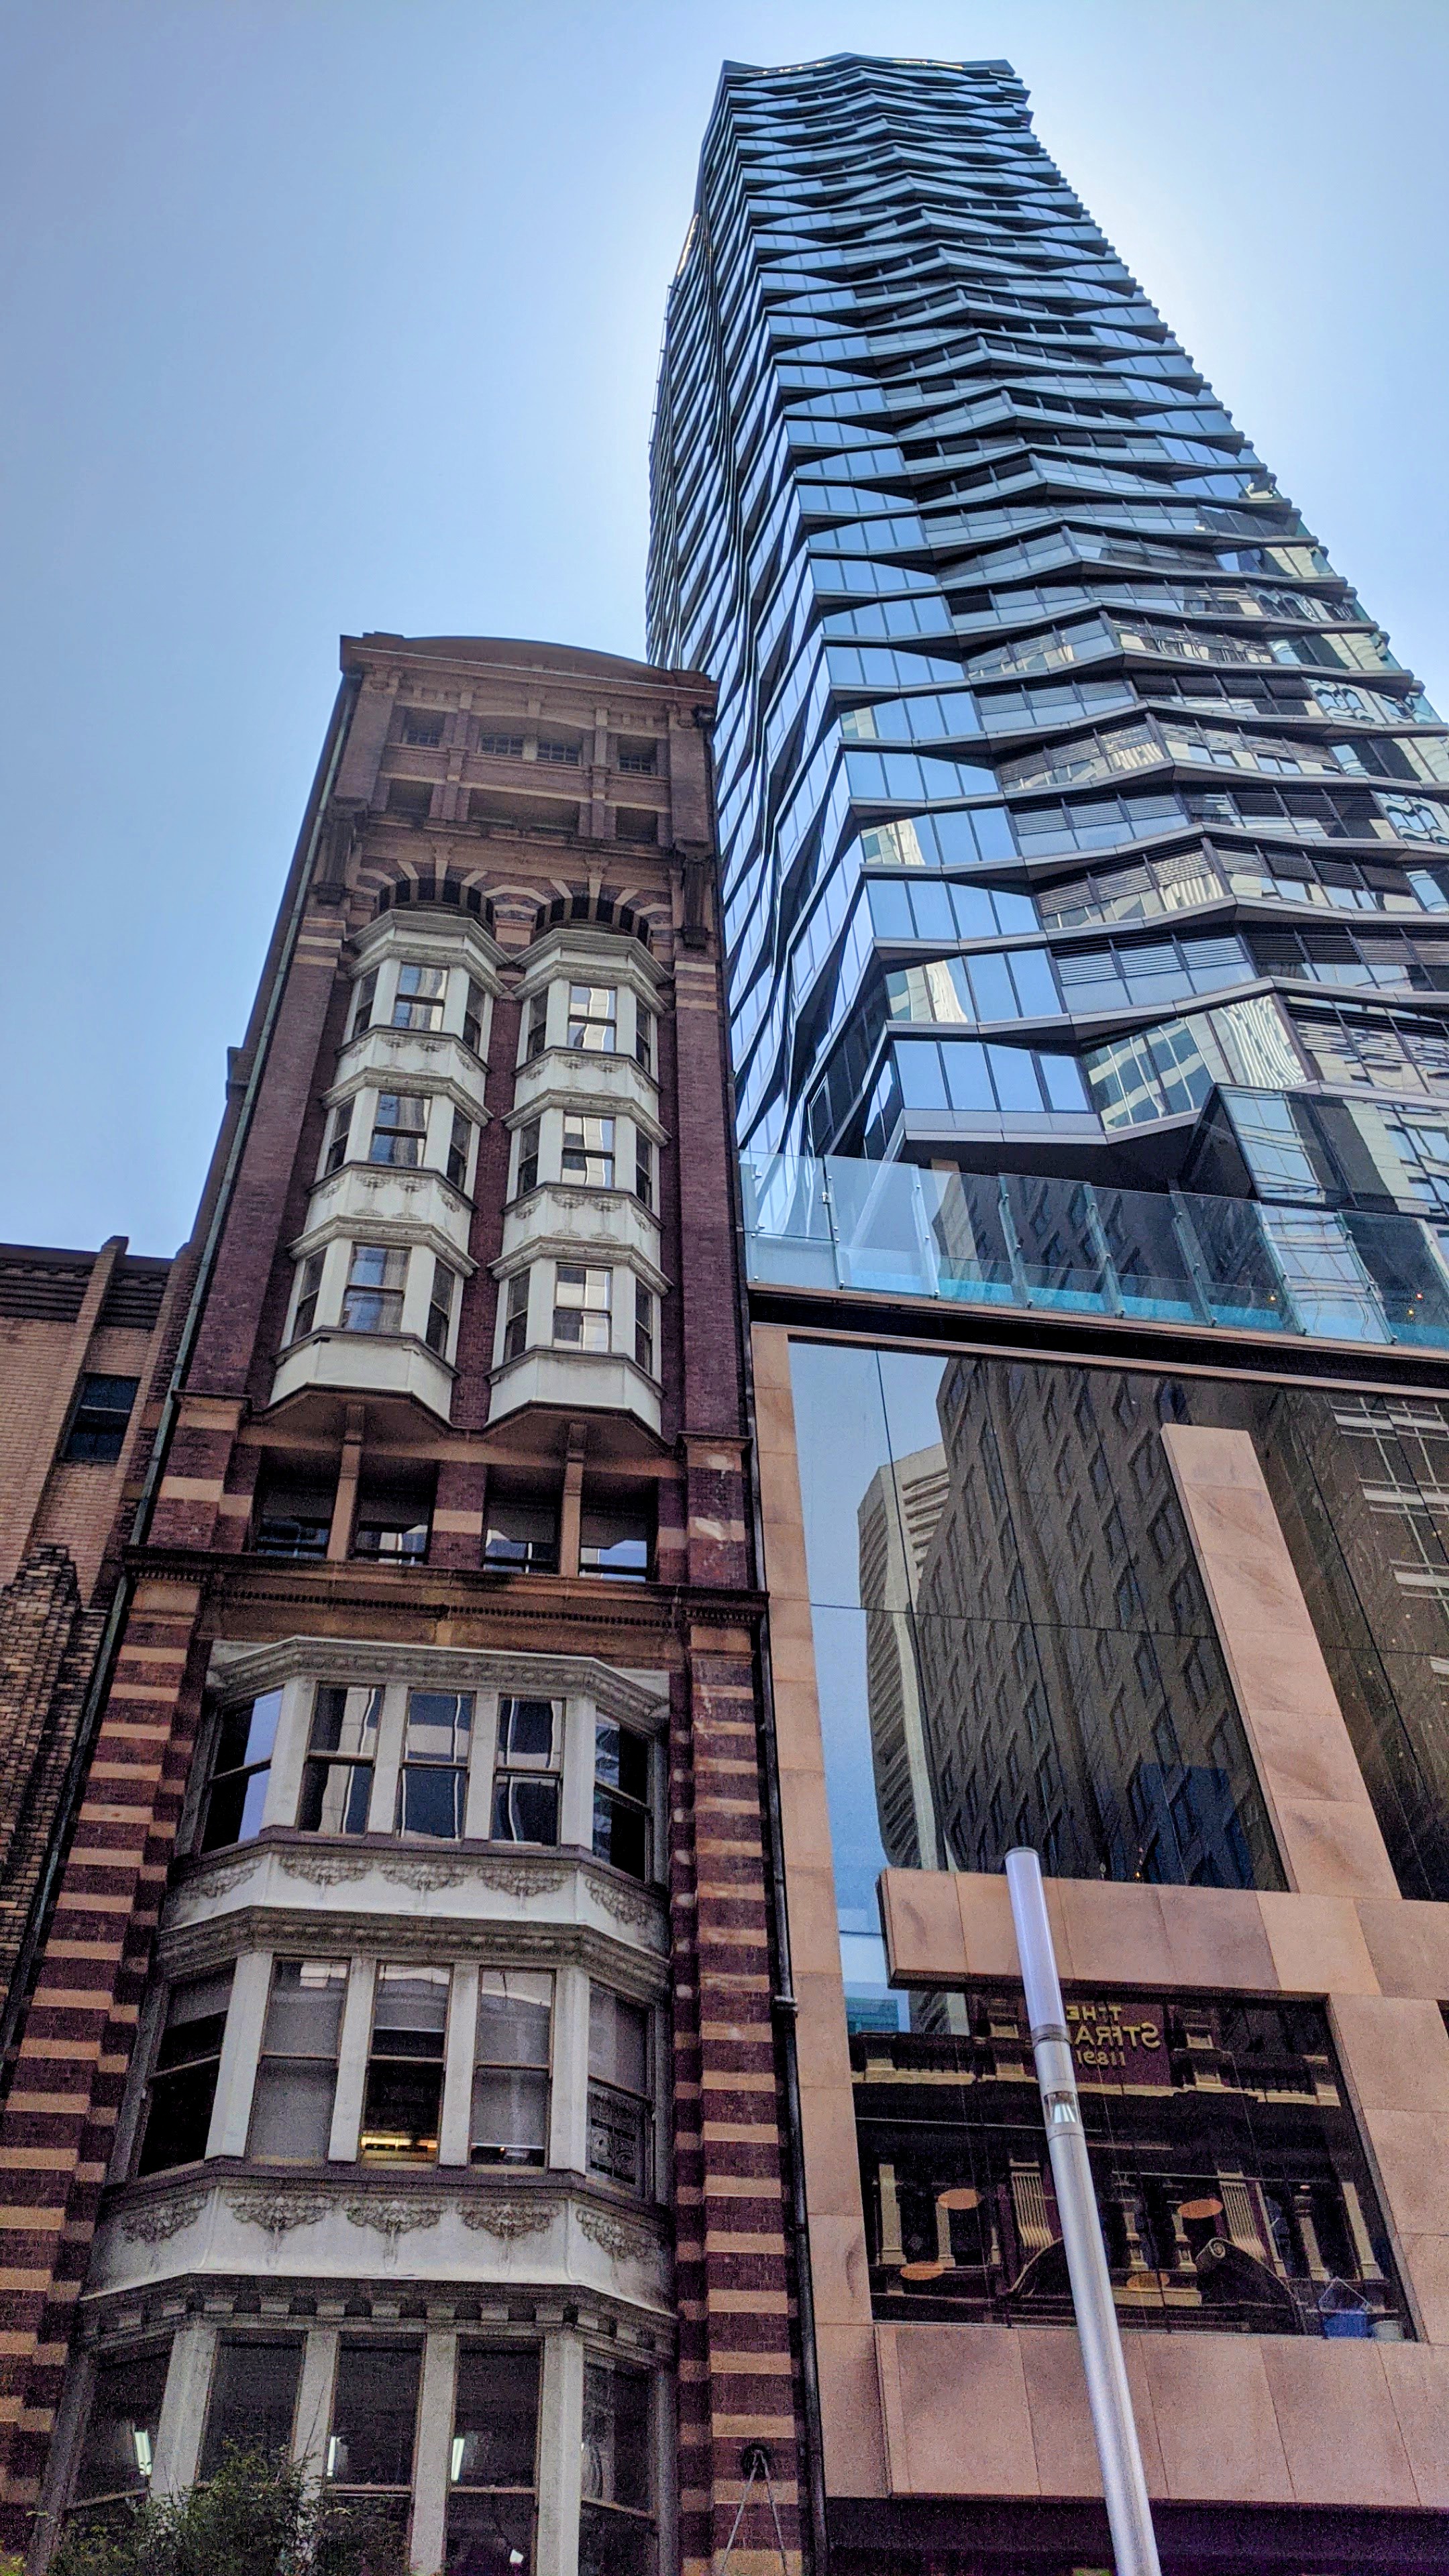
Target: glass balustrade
x=1075 y=1247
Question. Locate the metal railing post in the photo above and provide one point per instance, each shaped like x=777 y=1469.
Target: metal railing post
x=1124 y=2486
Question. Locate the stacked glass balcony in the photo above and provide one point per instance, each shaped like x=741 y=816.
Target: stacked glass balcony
x=1075 y=817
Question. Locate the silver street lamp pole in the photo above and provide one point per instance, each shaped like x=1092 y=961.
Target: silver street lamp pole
x=1134 y=2543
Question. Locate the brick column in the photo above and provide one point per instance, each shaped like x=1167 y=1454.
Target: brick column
x=737 y=2373
x=58 y=2125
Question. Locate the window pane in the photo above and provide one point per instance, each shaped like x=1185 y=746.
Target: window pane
x=616 y=2434
x=621 y=1759
x=121 y=2429
x=253 y=2401
x=510 y=2089
x=304 y=2017
x=373 y=2416
x=431 y=1801
x=292 y=2111
x=405 y=2069
x=437 y=1725
x=525 y=1730
x=335 y=1798
x=525 y=1811
x=183 y=2086
x=618 y=2040
x=495 y=2426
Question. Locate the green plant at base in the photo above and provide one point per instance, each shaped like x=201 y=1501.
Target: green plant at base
x=255 y=2517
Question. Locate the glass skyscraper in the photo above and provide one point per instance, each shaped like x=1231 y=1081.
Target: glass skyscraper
x=1076 y=817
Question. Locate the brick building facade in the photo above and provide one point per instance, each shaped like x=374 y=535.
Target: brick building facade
x=404 y=2066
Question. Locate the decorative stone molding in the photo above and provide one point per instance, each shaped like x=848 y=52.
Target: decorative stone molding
x=628 y=1905
x=423 y=1874
x=521 y=1878
x=613 y=2236
x=321 y=1869
x=220 y=1882
x=163 y=2220
x=509 y=2219
x=247 y=1669
x=278 y=2211
x=392 y=2218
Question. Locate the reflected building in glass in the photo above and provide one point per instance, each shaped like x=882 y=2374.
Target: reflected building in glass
x=1085 y=877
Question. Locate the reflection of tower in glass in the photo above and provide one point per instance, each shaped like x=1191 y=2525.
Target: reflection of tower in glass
x=897 y=1520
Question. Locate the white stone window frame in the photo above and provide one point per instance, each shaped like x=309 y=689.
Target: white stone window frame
x=583 y=1690
x=562 y=2352
x=574 y=953
x=628 y=1271
x=334 y=1238
x=549 y=1111
x=362 y=1090
x=462 y=947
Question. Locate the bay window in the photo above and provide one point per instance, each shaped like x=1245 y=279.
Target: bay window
x=593 y=1018
x=374 y=2427
x=460 y=1145
x=511 y=2068
x=515 y=1316
x=253 y=2398
x=297 y=2071
x=528 y=1158
x=366 y=1000
x=399 y=1128
x=308 y=1289
x=339 y=1137
x=119 y=2446
x=587 y=1159
x=440 y=1308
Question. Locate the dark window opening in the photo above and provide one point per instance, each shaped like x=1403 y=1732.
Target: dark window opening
x=632 y=824
x=492 y=2476
x=521 y=1536
x=253 y=2401
x=183 y=2080
x=293 y=1519
x=638 y=759
x=241 y=1770
x=410 y=796
x=395 y=1519
x=614 y=1543
x=121 y=2428
x=616 y=2523
x=423 y=727
x=98 y=1424
x=374 y=2425
x=622 y=1803
x=619 y=2090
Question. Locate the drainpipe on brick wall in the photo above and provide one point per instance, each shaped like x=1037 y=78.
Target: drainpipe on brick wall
x=783 y=2000
x=303 y=861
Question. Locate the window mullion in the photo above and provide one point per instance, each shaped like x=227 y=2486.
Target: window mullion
x=352 y=2053
x=236 y=2075
x=576 y=1807
x=568 y=2143
x=478 y=1813
x=382 y=1812
x=427 y=2540
x=453 y=2131
x=561 y=2407
x=183 y=2408
x=289 y=1751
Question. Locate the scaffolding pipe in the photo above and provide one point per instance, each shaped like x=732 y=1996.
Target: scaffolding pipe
x=1129 y=2514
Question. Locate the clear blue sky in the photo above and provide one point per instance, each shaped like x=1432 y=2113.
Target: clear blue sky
x=327 y=314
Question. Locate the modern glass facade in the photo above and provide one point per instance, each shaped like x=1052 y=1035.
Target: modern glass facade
x=1075 y=815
